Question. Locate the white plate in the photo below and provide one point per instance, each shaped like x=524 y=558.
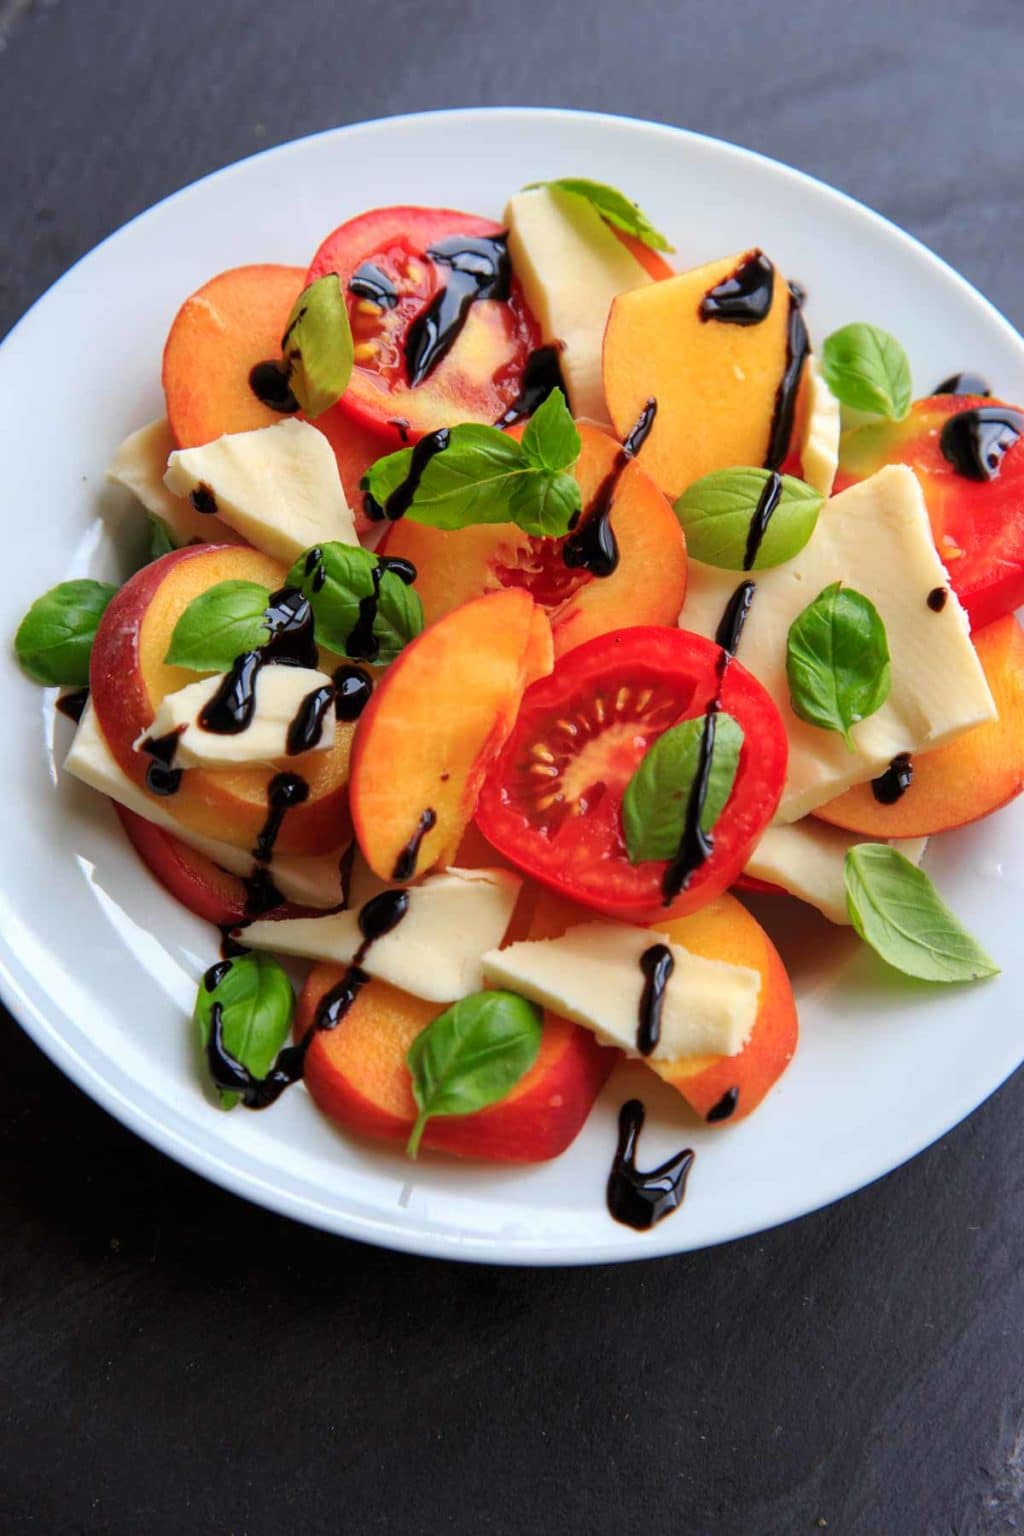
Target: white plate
x=100 y=965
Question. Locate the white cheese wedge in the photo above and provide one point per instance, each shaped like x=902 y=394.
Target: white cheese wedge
x=280 y=694
x=592 y=975
x=819 y=439
x=875 y=538
x=571 y=266
x=807 y=859
x=313 y=881
x=434 y=952
x=140 y=464
x=277 y=486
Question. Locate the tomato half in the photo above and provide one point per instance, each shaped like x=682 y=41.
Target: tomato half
x=391 y=282
x=552 y=802
x=977 y=525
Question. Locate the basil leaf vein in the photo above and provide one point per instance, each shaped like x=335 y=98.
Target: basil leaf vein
x=54 y=640
x=717 y=511
x=257 y=1004
x=866 y=368
x=837 y=661
x=655 y=802
x=895 y=909
x=218 y=626
x=613 y=206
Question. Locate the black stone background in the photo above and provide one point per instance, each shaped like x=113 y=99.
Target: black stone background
x=173 y=1360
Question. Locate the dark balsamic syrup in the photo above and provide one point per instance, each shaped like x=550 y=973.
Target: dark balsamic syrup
x=723 y=1108
x=379 y=916
x=289 y=618
x=306 y=728
x=798 y=348
x=737 y=610
x=261 y=894
x=284 y=791
x=362 y=643
x=937 y=599
x=542 y=374
x=745 y=296
x=405 y=864
x=657 y=964
x=478 y=268
x=401 y=426
x=767 y=502
x=371 y=282
x=975 y=441
x=353 y=689
x=72 y=705
x=162 y=778
x=639 y=1199
x=893 y=784
x=401 y=498
x=229 y=711
x=592 y=546
x=270 y=384
x=230 y=948
x=203 y=500
x=966 y=383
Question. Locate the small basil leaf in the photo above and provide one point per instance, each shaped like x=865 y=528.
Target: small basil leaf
x=317 y=346
x=895 y=908
x=160 y=541
x=867 y=369
x=545 y=504
x=654 y=804
x=471 y=1055
x=550 y=439
x=837 y=661
x=54 y=639
x=717 y=513
x=613 y=206
x=257 y=1004
x=218 y=626
x=337 y=578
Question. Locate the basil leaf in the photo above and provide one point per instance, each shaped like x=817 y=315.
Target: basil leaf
x=257 y=1004
x=550 y=440
x=654 y=804
x=717 y=513
x=895 y=908
x=336 y=578
x=545 y=505
x=613 y=206
x=471 y=1055
x=160 y=541
x=218 y=626
x=837 y=661
x=317 y=346
x=54 y=639
x=867 y=369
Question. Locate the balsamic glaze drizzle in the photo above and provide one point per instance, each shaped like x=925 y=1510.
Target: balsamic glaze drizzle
x=371 y=282
x=592 y=546
x=261 y=894
x=657 y=963
x=479 y=268
x=72 y=705
x=362 y=643
x=542 y=373
x=306 y=728
x=737 y=609
x=405 y=864
x=289 y=618
x=965 y=383
x=767 y=502
x=745 y=296
x=798 y=348
x=203 y=500
x=937 y=599
x=401 y=498
x=638 y=1199
x=284 y=791
x=723 y=1108
x=352 y=691
x=270 y=384
x=162 y=778
x=975 y=441
x=229 y=711
x=893 y=784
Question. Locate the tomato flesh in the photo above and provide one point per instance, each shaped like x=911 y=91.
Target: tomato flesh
x=977 y=525
x=552 y=802
x=477 y=379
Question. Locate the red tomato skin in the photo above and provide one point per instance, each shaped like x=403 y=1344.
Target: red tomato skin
x=585 y=858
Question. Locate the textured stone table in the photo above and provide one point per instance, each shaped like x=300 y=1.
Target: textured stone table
x=175 y=1361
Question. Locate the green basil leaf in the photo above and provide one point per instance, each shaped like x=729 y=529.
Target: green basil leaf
x=471 y=1055
x=160 y=541
x=257 y=1004
x=337 y=580
x=717 y=512
x=550 y=439
x=218 y=626
x=895 y=908
x=867 y=369
x=837 y=661
x=654 y=804
x=545 y=504
x=317 y=346
x=613 y=206
x=54 y=639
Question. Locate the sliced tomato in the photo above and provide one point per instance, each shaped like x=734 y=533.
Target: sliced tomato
x=552 y=803
x=477 y=378
x=977 y=525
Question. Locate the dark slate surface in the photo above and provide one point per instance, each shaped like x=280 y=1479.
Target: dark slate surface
x=173 y=1360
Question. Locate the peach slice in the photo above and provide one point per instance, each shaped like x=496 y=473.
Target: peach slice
x=966 y=780
x=129 y=677
x=647 y=586
x=652 y=261
x=438 y=717
x=715 y=383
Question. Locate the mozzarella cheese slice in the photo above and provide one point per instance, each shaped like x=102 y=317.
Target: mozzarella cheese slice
x=571 y=266
x=140 y=464
x=819 y=438
x=807 y=860
x=280 y=693
x=434 y=952
x=313 y=881
x=875 y=538
x=277 y=486
x=592 y=975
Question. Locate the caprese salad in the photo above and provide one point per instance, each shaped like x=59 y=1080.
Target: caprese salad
x=513 y=599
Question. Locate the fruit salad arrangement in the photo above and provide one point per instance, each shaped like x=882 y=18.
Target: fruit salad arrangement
x=513 y=600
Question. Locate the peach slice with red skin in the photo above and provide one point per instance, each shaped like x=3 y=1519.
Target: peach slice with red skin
x=438 y=717
x=972 y=776
x=129 y=677
x=647 y=586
